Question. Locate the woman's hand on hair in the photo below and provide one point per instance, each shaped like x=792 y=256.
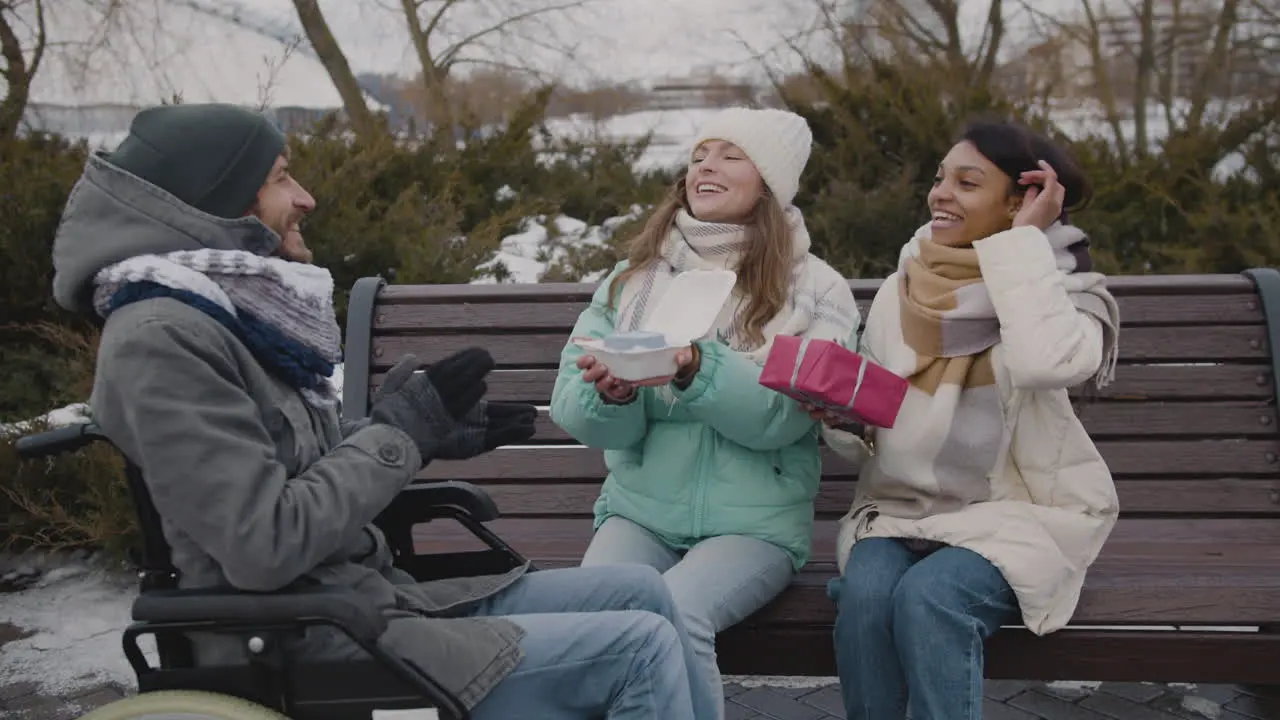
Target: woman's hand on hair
x=612 y=388
x=1042 y=204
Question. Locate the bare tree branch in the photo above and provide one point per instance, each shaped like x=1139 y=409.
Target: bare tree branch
x=1216 y=65
x=363 y=122
x=485 y=45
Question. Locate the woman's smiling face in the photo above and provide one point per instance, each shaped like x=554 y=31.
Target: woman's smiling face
x=722 y=184
x=970 y=199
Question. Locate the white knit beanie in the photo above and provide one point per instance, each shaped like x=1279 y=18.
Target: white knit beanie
x=776 y=141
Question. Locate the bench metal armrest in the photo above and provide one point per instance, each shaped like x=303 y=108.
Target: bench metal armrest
x=57 y=441
x=347 y=609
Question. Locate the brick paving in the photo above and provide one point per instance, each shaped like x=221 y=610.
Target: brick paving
x=1005 y=700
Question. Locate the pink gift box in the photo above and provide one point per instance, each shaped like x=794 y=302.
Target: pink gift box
x=825 y=374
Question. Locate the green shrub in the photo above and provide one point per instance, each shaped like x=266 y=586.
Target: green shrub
x=880 y=130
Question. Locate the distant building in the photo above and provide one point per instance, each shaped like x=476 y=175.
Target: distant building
x=1182 y=43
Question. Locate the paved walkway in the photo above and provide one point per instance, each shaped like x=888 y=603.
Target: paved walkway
x=1005 y=700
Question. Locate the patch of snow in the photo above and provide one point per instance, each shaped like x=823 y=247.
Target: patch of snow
x=1202 y=706
x=74 y=614
x=1075 y=686
x=543 y=243
x=519 y=253
x=61 y=417
x=793 y=682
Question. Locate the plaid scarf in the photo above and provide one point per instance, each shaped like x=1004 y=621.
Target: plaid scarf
x=282 y=310
x=951 y=430
x=948 y=318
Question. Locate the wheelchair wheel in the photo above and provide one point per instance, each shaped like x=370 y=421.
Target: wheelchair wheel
x=183 y=705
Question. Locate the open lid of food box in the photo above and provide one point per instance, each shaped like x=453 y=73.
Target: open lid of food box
x=690 y=305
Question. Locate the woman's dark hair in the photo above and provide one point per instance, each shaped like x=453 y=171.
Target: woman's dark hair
x=1015 y=149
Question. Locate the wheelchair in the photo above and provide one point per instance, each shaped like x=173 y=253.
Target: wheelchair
x=273 y=683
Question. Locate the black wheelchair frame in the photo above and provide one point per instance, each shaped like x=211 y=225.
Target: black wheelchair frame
x=272 y=677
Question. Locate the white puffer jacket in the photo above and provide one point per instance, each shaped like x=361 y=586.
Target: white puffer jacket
x=1053 y=502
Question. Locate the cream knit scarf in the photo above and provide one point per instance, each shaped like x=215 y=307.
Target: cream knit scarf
x=696 y=245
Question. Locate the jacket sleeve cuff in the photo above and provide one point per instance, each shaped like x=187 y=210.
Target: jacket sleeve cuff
x=1015 y=257
x=709 y=361
x=389 y=445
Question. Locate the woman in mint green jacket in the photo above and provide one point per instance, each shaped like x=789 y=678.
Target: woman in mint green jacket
x=711 y=475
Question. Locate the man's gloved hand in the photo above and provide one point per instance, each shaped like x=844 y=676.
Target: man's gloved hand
x=486 y=426
x=427 y=406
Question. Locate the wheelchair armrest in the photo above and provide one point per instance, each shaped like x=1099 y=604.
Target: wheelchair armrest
x=59 y=440
x=424 y=501
x=347 y=609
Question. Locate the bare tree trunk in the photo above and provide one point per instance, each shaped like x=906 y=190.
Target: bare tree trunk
x=1168 y=77
x=434 y=75
x=363 y=122
x=1102 y=76
x=18 y=72
x=992 y=35
x=1145 y=69
x=1217 y=64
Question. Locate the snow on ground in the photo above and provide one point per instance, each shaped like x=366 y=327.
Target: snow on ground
x=74 y=613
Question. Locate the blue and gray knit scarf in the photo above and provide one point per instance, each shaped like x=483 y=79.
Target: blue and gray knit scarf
x=281 y=310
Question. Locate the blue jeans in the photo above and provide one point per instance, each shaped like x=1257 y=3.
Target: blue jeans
x=716 y=584
x=600 y=643
x=912 y=625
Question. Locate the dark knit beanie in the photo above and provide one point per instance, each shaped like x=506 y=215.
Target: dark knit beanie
x=212 y=157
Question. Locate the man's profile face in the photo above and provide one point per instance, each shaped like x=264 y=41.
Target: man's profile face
x=281 y=205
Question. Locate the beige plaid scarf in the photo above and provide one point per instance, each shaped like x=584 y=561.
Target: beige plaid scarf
x=951 y=429
x=950 y=323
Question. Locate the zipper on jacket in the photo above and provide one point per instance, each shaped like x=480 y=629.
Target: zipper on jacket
x=700 y=489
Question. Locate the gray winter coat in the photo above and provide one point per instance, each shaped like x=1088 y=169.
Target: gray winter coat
x=256 y=487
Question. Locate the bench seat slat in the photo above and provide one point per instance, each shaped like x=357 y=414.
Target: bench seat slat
x=1199 y=497
x=1102 y=420
x=1116 y=655
x=1152 y=571
x=1186 y=458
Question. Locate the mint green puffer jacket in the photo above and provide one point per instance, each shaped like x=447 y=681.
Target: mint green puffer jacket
x=725 y=456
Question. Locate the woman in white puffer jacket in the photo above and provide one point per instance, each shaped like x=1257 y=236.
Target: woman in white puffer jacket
x=986 y=502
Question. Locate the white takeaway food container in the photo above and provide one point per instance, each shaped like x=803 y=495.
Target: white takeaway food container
x=685 y=313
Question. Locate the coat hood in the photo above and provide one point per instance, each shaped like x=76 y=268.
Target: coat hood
x=112 y=215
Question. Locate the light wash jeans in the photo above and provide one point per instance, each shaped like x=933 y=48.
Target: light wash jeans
x=716 y=584
x=912 y=625
x=600 y=643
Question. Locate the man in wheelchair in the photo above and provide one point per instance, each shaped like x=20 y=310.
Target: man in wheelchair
x=213 y=379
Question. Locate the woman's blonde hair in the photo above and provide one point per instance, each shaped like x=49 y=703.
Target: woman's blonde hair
x=764 y=271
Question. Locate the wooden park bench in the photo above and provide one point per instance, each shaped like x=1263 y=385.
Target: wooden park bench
x=1186 y=589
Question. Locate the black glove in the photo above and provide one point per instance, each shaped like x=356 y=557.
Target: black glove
x=486 y=426
x=426 y=406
